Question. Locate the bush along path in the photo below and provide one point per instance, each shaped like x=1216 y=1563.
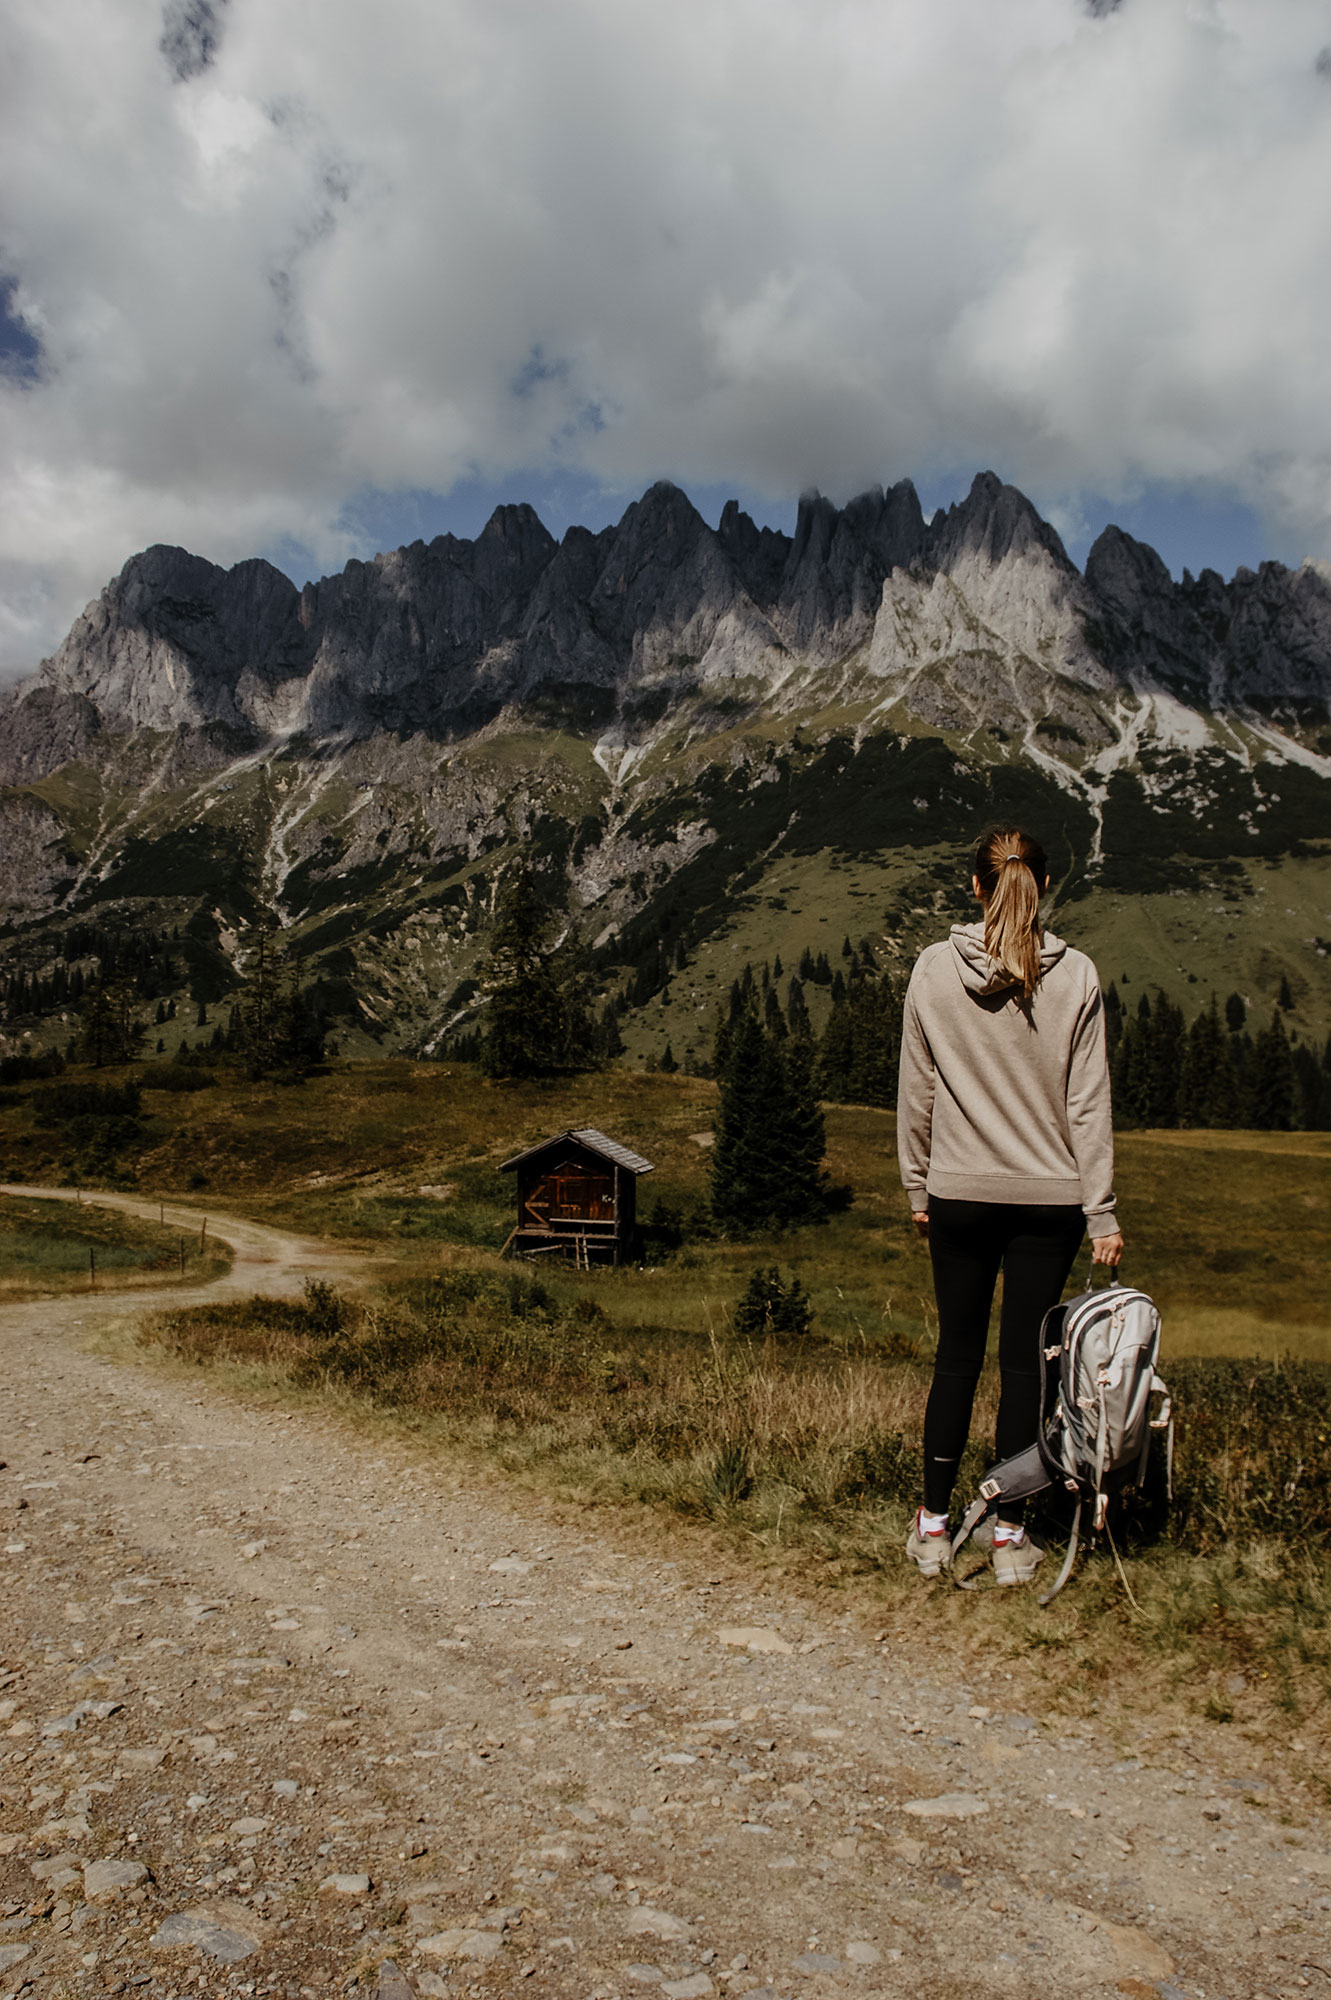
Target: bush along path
x=290 y=1708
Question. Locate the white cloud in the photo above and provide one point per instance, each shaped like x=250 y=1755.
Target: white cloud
x=315 y=247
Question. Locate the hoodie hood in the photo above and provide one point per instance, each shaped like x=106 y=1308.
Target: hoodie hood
x=979 y=974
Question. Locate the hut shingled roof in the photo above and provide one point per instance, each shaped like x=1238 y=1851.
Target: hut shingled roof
x=594 y=1141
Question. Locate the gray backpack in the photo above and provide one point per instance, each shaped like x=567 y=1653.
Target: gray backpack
x=1100 y=1352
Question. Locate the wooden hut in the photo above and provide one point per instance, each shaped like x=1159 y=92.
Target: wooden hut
x=577 y=1197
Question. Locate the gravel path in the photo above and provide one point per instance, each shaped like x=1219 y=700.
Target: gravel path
x=285 y=1705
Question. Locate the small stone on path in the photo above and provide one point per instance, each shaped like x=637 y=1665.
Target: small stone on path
x=463 y=1944
x=346 y=1885
x=223 y=1930
x=144 y=1758
x=948 y=1805
x=644 y=1975
x=861 y=1953
x=754 y=1639
x=696 y=1987
x=103 y=1881
x=13 y=1954
x=817 y=1961
x=648 y=1921
x=393 y=1983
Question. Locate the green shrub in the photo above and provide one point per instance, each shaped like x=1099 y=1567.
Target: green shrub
x=176 y=1077
x=1252 y=1457
x=770 y=1305
x=63 y=1103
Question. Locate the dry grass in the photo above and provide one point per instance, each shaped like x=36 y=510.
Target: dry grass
x=802 y=1450
x=45 y=1249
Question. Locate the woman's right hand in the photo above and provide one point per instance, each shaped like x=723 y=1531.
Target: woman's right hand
x=1107 y=1250
x=920 y=1217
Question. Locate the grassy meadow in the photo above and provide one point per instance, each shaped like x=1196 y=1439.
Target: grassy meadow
x=1230 y=1232
x=632 y=1387
x=53 y=1247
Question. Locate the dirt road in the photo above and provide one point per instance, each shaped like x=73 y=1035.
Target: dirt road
x=289 y=1706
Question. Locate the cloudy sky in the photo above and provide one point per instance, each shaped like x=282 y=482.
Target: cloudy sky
x=312 y=277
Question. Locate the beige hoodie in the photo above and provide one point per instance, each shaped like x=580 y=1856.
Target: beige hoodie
x=1003 y=1099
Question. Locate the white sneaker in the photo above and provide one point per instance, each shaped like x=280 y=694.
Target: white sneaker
x=1017 y=1562
x=931 y=1553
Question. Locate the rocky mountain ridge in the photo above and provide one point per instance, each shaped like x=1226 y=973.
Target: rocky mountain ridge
x=660 y=711
x=440 y=637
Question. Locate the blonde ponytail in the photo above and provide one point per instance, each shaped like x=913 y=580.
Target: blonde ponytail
x=1011 y=870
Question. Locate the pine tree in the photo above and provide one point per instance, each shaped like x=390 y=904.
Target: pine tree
x=1146 y=1065
x=538 y=1019
x=110 y=1031
x=1285 y=998
x=1113 y=1017
x=607 y=1041
x=1236 y=1014
x=272 y=1025
x=1164 y=1062
x=769 y=1305
x=1207 y=1094
x=797 y=1013
x=744 y=1178
x=1312 y=1111
x=766 y=1167
x=802 y=1137
x=1272 y=1079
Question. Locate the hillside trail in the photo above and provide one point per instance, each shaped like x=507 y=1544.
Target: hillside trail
x=288 y=1704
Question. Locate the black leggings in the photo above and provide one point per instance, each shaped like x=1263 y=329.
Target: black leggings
x=969 y=1242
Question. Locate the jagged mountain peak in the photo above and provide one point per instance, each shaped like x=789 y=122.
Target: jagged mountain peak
x=664 y=512
x=438 y=639
x=1120 y=567
x=994 y=521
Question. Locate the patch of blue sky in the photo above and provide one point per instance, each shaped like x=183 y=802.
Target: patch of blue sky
x=20 y=350
x=1188 y=530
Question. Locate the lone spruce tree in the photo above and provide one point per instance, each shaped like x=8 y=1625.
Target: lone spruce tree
x=767 y=1160
x=1271 y=1079
x=537 y=1020
x=111 y=1031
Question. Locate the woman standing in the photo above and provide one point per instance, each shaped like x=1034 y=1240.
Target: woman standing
x=1007 y=1156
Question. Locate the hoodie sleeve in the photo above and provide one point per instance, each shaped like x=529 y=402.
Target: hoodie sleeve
x=1090 y=1118
x=915 y=1102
